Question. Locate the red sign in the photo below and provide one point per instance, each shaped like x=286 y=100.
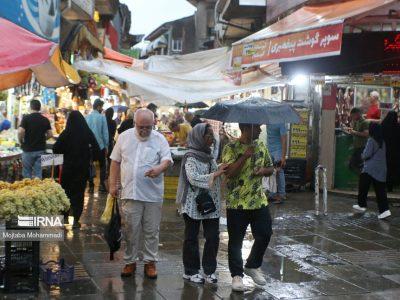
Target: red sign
x=320 y=42
x=392 y=46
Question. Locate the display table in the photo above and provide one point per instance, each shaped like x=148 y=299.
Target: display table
x=172 y=174
x=11 y=166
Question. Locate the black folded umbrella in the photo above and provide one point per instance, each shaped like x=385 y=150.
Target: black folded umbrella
x=191 y=105
x=255 y=110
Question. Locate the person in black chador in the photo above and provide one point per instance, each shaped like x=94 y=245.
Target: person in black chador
x=391 y=135
x=76 y=143
x=112 y=129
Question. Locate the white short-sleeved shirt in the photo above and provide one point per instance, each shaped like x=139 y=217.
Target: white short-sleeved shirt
x=138 y=157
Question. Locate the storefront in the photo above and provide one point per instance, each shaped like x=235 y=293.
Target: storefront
x=353 y=76
x=323 y=46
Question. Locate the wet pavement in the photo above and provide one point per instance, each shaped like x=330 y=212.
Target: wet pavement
x=339 y=256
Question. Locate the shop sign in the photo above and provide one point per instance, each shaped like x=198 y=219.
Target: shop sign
x=320 y=42
x=41 y=17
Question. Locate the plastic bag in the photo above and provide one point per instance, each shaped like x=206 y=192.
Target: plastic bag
x=112 y=232
x=106 y=216
x=269 y=183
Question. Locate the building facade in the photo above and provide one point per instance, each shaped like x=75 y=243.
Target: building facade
x=172 y=38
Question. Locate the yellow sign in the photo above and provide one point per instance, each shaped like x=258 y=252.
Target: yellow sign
x=298 y=152
x=299 y=137
x=298 y=140
x=299 y=129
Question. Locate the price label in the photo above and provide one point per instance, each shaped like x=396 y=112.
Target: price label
x=52 y=160
x=298 y=152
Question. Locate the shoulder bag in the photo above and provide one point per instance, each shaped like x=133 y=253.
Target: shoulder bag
x=204 y=201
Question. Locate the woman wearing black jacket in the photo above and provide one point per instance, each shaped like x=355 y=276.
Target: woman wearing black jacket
x=76 y=142
x=112 y=128
x=391 y=135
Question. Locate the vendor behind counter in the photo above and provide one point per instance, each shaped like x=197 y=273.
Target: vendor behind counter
x=181 y=132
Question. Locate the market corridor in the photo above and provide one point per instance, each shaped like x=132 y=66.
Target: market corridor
x=342 y=256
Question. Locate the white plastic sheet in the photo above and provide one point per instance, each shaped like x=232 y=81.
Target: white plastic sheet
x=194 y=77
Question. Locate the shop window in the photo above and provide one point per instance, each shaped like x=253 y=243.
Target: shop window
x=177 y=45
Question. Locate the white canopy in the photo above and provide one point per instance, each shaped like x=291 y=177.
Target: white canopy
x=194 y=77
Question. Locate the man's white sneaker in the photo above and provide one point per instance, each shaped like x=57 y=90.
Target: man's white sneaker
x=256 y=275
x=196 y=278
x=359 y=208
x=211 y=278
x=384 y=215
x=237 y=284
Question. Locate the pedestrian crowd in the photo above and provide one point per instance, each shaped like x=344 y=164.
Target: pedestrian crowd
x=132 y=167
x=376 y=153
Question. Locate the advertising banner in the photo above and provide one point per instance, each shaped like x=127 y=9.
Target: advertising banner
x=319 y=42
x=41 y=17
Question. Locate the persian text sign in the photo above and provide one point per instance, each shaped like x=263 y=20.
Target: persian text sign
x=324 y=41
x=52 y=160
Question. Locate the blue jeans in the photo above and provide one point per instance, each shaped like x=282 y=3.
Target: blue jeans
x=280 y=176
x=31 y=164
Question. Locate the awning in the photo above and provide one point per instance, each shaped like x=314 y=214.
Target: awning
x=54 y=72
x=23 y=52
x=310 y=32
x=117 y=57
x=191 y=78
x=21 y=49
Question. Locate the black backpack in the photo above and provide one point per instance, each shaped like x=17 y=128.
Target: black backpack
x=112 y=232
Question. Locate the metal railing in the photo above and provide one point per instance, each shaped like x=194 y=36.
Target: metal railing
x=318 y=170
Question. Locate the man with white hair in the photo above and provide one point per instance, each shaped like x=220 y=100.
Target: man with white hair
x=139 y=159
x=374 y=112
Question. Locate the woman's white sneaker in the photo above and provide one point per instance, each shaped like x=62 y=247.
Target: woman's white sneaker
x=384 y=215
x=211 y=278
x=237 y=284
x=196 y=278
x=359 y=208
x=256 y=275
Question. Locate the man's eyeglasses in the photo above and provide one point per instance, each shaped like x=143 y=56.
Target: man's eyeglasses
x=144 y=127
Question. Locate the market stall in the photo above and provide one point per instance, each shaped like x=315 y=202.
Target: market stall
x=10 y=156
x=20 y=272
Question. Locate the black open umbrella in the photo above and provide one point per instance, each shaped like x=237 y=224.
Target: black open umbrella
x=255 y=110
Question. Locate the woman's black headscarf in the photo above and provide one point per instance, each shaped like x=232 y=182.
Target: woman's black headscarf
x=109 y=113
x=76 y=126
x=390 y=123
x=376 y=132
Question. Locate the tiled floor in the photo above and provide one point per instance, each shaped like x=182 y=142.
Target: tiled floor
x=340 y=256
